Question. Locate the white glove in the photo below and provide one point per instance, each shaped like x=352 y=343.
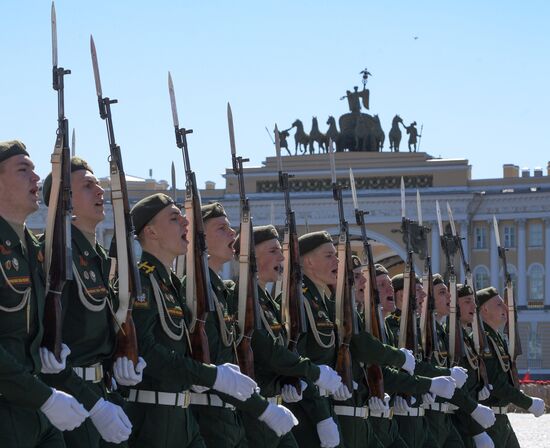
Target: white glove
x=378 y=405
x=290 y=394
x=63 y=411
x=342 y=393
x=110 y=421
x=279 y=419
x=460 y=375
x=538 y=407
x=428 y=399
x=400 y=404
x=199 y=389
x=410 y=362
x=484 y=416
x=231 y=381
x=443 y=386
x=483 y=441
x=327 y=430
x=484 y=393
x=125 y=373
x=49 y=363
x=328 y=379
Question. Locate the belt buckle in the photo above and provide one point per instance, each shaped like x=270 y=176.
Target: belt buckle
x=186 y=399
x=98 y=373
x=366 y=410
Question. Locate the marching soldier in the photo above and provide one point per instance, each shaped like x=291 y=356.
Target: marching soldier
x=31 y=410
x=221 y=425
x=159 y=404
x=501 y=370
x=88 y=304
x=318 y=423
x=273 y=362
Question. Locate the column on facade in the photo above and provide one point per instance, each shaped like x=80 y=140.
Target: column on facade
x=463 y=233
x=547 y=262
x=522 y=263
x=494 y=255
x=435 y=247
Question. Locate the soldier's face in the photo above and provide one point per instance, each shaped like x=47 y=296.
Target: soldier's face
x=467 y=308
x=169 y=228
x=219 y=239
x=442 y=299
x=420 y=295
x=398 y=296
x=360 y=282
x=494 y=312
x=19 y=185
x=87 y=198
x=269 y=257
x=321 y=264
x=385 y=289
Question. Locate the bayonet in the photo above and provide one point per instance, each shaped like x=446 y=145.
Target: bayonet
x=332 y=162
x=173 y=102
x=95 y=65
x=174 y=189
x=451 y=220
x=418 y=208
x=54 y=36
x=403 y=214
x=278 y=150
x=73 y=144
x=439 y=221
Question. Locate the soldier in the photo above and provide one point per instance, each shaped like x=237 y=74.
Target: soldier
x=159 y=404
x=22 y=394
x=413 y=136
x=220 y=423
x=501 y=371
x=318 y=424
x=88 y=305
x=273 y=362
x=394 y=381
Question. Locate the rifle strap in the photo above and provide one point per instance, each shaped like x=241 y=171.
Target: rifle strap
x=227 y=335
x=471 y=356
x=164 y=314
x=316 y=333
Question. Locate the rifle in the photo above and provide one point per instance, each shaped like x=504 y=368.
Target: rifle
x=179 y=266
x=129 y=283
x=408 y=327
x=248 y=306
x=478 y=331
x=346 y=322
x=197 y=286
x=456 y=339
x=58 y=252
x=292 y=302
x=514 y=342
x=374 y=316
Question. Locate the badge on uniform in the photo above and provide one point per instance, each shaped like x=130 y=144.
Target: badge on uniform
x=92 y=275
x=86 y=275
x=8 y=243
x=15 y=263
x=4 y=251
x=7 y=264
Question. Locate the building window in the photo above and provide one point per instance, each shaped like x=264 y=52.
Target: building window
x=535 y=276
x=481 y=277
x=480 y=237
x=535 y=234
x=535 y=349
x=510 y=236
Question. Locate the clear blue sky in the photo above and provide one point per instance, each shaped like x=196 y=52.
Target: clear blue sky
x=476 y=76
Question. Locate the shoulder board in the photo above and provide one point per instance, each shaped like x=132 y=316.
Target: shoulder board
x=304 y=289
x=146 y=267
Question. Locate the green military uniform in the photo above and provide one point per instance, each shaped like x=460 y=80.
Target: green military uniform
x=272 y=362
x=220 y=424
x=504 y=392
x=87 y=303
x=21 y=314
x=158 y=405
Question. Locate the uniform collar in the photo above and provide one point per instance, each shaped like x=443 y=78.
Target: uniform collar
x=82 y=243
x=159 y=268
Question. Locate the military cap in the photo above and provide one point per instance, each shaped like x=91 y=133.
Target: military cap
x=486 y=294
x=398 y=281
x=261 y=234
x=12 y=148
x=147 y=208
x=213 y=210
x=356 y=261
x=437 y=279
x=380 y=270
x=463 y=290
x=76 y=164
x=311 y=241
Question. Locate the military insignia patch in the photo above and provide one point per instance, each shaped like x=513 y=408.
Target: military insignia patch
x=92 y=275
x=15 y=263
x=8 y=243
x=86 y=275
x=4 y=251
x=146 y=267
x=7 y=264
x=82 y=261
x=86 y=253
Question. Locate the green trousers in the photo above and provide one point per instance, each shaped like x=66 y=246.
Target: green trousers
x=258 y=434
x=387 y=432
x=220 y=427
x=25 y=428
x=356 y=432
x=443 y=430
x=306 y=431
x=502 y=433
x=415 y=432
x=160 y=426
x=86 y=435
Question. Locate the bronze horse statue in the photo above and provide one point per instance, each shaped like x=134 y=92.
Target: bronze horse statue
x=379 y=136
x=316 y=135
x=333 y=134
x=395 y=133
x=300 y=137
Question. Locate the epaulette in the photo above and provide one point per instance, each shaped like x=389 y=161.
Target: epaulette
x=304 y=289
x=146 y=267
